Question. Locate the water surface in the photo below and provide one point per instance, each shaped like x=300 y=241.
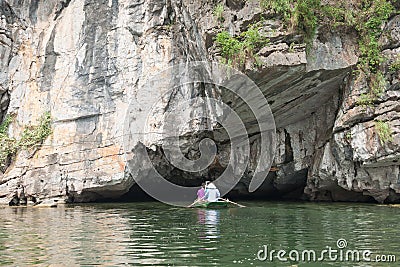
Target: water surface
x=154 y=234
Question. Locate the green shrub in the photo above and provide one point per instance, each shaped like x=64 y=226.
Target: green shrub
x=367 y=18
x=291 y=47
x=307 y=19
x=395 y=66
x=234 y=50
x=365 y=100
x=31 y=136
x=384 y=131
x=253 y=38
x=5 y=124
x=219 y=12
x=375 y=13
x=369 y=21
x=348 y=136
x=371 y=56
x=298 y=15
x=8 y=145
x=258 y=62
x=284 y=8
x=7 y=148
x=377 y=88
x=35 y=135
x=378 y=84
x=339 y=15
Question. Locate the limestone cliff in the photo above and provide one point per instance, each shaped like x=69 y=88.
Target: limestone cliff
x=85 y=60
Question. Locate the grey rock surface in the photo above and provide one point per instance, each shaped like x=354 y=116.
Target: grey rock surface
x=85 y=61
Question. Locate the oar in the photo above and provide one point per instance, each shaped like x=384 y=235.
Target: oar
x=191 y=205
x=227 y=200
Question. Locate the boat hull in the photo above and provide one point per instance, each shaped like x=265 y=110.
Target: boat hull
x=211 y=205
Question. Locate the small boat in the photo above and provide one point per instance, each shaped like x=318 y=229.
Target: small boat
x=211 y=205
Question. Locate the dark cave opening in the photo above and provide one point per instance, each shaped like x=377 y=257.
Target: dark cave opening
x=268 y=191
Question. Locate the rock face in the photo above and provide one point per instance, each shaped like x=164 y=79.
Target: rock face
x=85 y=61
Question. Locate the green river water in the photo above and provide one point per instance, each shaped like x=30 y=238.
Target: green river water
x=154 y=234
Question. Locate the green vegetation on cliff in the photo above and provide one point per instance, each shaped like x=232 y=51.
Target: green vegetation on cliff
x=365 y=100
x=384 y=132
x=300 y=15
x=232 y=49
x=235 y=50
x=35 y=135
x=4 y=126
x=372 y=15
x=219 y=12
x=364 y=17
x=395 y=66
x=31 y=136
x=7 y=144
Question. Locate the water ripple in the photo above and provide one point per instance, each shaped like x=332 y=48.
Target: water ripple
x=152 y=234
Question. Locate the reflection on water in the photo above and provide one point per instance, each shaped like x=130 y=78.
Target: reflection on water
x=140 y=234
x=53 y=236
x=210 y=220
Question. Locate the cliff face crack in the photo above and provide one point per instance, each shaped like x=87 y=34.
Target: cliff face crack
x=63 y=5
x=288 y=148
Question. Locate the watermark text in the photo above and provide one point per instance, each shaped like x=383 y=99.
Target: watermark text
x=340 y=253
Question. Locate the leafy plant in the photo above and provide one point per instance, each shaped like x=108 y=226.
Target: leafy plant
x=367 y=18
x=253 y=38
x=285 y=8
x=339 y=15
x=258 y=62
x=395 y=66
x=378 y=84
x=291 y=47
x=348 y=136
x=384 y=131
x=7 y=145
x=307 y=17
x=31 y=136
x=5 y=124
x=365 y=100
x=369 y=21
x=377 y=88
x=234 y=50
x=371 y=56
x=299 y=15
x=35 y=135
x=219 y=12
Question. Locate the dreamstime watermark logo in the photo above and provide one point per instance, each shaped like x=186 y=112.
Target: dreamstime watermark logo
x=199 y=98
x=340 y=253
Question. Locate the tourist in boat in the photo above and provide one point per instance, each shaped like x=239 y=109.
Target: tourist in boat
x=201 y=192
x=212 y=193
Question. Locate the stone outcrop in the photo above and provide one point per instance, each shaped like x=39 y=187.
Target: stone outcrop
x=356 y=164
x=85 y=61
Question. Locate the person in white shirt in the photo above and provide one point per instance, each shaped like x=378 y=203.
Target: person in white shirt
x=212 y=193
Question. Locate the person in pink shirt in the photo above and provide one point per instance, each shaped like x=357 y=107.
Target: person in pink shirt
x=201 y=192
